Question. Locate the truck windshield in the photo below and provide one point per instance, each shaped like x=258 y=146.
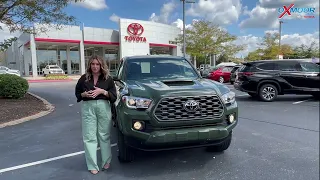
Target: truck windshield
x=159 y=68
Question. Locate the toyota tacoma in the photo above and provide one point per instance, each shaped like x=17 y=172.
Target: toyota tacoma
x=163 y=103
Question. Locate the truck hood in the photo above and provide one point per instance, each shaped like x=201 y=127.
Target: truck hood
x=155 y=89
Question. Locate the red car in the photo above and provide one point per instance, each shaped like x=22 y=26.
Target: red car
x=221 y=74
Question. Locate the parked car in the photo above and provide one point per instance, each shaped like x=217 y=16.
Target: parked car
x=234 y=72
x=6 y=70
x=163 y=103
x=268 y=79
x=52 y=69
x=205 y=72
x=221 y=74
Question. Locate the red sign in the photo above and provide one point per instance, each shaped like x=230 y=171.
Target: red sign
x=135 y=31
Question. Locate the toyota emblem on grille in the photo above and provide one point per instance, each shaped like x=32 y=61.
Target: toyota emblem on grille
x=191 y=105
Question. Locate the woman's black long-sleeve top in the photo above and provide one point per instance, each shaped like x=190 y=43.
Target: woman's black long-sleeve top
x=106 y=84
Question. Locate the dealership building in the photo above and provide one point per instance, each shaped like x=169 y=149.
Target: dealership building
x=71 y=47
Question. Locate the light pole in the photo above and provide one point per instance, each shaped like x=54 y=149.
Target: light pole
x=280 y=22
x=184 y=24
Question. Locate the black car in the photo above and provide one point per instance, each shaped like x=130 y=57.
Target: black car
x=270 y=78
x=233 y=73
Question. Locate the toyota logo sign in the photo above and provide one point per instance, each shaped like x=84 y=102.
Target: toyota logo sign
x=191 y=105
x=135 y=30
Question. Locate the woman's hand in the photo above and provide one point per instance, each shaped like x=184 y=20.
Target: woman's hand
x=96 y=92
x=86 y=94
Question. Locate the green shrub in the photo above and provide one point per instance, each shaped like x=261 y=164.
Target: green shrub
x=13 y=86
x=56 y=76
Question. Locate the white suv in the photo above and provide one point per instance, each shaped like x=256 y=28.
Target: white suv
x=52 y=69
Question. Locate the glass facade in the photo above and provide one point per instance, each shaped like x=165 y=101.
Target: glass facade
x=111 y=56
x=75 y=59
x=53 y=54
x=155 y=50
x=57 y=54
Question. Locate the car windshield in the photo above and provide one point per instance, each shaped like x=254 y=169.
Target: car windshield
x=54 y=67
x=159 y=68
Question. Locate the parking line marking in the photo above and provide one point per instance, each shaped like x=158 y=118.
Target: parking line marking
x=298 y=102
x=45 y=161
x=241 y=95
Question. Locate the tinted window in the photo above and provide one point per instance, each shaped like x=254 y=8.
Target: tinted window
x=309 y=67
x=245 y=68
x=288 y=66
x=226 y=69
x=137 y=69
x=234 y=69
x=266 y=66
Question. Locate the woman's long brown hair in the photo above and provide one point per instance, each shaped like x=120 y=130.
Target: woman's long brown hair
x=104 y=70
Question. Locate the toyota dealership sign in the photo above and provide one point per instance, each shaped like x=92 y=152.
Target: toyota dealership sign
x=135 y=30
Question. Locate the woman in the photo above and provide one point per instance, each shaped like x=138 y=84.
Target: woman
x=97 y=91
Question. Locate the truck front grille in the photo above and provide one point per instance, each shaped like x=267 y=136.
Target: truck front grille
x=172 y=108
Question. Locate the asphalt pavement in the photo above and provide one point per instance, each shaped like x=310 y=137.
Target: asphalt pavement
x=277 y=140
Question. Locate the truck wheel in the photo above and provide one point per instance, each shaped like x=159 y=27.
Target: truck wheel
x=221 y=147
x=268 y=92
x=125 y=153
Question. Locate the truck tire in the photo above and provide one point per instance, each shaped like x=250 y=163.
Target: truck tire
x=125 y=153
x=221 y=147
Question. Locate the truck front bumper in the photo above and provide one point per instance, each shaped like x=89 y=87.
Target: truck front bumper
x=181 y=139
x=178 y=137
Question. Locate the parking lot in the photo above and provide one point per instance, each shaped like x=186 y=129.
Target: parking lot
x=273 y=140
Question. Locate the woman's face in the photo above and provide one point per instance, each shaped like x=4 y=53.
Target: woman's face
x=95 y=66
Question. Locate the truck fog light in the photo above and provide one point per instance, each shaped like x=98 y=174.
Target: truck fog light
x=137 y=125
x=231 y=118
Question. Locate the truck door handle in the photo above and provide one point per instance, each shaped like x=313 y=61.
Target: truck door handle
x=277 y=74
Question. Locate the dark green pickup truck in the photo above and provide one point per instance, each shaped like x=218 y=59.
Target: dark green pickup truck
x=163 y=103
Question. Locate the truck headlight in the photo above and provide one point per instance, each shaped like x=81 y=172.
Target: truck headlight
x=229 y=97
x=136 y=102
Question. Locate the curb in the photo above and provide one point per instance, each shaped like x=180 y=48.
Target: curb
x=48 y=105
x=44 y=80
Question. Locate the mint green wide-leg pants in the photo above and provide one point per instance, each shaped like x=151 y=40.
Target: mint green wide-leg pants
x=96 y=125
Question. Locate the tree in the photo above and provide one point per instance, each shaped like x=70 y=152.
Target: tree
x=205 y=38
x=269 y=49
x=222 y=58
x=20 y=15
x=269 y=46
x=7 y=43
x=304 y=51
x=254 y=55
x=286 y=51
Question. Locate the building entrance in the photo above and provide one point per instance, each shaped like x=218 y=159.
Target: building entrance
x=110 y=54
x=158 y=50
